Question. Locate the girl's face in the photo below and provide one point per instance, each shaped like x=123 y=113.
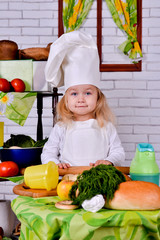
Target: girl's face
x=82 y=101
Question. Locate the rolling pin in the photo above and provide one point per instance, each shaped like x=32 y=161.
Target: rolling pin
x=80 y=169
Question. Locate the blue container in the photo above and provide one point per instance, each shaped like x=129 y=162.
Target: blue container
x=143 y=166
x=24 y=157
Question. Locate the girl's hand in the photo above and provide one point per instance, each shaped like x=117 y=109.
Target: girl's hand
x=98 y=162
x=63 y=165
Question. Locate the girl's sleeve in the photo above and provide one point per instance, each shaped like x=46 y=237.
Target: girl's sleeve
x=51 y=149
x=116 y=153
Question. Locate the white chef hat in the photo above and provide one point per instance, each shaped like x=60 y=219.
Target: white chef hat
x=73 y=60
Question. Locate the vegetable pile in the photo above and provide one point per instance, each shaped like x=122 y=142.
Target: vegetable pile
x=23 y=141
x=102 y=179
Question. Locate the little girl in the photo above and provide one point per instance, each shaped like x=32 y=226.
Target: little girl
x=84 y=133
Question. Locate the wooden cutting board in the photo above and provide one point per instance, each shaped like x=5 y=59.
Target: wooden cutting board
x=23 y=190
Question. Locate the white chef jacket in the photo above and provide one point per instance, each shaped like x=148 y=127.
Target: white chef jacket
x=83 y=142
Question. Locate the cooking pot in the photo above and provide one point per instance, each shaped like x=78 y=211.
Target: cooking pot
x=24 y=157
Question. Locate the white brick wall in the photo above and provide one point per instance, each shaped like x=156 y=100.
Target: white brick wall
x=133 y=96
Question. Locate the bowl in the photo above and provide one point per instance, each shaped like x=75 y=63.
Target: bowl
x=24 y=157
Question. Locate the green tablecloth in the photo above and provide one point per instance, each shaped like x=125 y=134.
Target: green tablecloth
x=41 y=220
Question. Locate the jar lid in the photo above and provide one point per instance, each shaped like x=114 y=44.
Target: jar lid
x=145 y=147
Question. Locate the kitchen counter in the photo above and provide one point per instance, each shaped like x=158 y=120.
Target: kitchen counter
x=40 y=219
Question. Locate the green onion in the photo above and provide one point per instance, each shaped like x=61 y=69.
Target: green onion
x=102 y=179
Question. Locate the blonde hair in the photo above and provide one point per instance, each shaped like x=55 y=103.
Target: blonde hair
x=102 y=111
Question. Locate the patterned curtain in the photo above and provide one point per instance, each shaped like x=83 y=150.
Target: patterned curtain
x=16 y=106
x=124 y=14
x=74 y=13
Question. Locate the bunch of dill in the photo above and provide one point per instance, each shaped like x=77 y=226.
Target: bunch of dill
x=102 y=179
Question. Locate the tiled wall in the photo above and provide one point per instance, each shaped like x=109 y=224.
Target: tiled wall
x=133 y=96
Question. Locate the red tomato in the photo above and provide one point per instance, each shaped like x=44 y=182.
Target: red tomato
x=18 y=85
x=4 y=85
x=8 y=169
